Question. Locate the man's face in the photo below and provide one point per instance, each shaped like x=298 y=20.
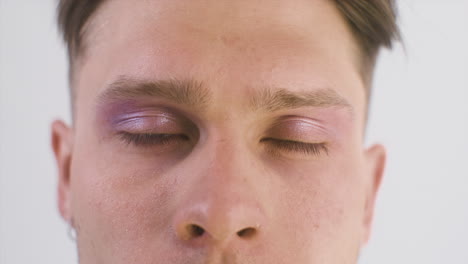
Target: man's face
x=218 y=132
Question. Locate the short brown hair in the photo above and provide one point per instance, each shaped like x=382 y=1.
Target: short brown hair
x=373 y=23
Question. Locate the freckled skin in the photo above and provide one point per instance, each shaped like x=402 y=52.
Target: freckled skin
x=227 y=194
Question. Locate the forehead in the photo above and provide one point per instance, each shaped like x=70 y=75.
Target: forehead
x=233 y=45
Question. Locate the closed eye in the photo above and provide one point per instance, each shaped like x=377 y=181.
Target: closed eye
x=148 y=139
x=297 y=146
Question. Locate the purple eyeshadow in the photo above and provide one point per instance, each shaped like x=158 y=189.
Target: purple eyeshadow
x=132 y=116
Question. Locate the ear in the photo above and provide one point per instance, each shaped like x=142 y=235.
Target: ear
x=375 y=163
x=62 y=145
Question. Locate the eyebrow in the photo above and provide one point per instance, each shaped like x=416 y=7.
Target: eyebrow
x=275 y=99
x=185 y=92
x=193 y=94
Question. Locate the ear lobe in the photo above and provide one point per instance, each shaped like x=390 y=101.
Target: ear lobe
x=375 y=159
x=62 y=145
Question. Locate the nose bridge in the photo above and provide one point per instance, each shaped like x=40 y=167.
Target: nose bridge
x=228 y=157
x=229 y=163
x=231 y=173
x=225 y=203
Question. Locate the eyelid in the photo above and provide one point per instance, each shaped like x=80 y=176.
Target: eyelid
x=144 y=122
x=142 y=114
x=299 y=129
x=286 y=120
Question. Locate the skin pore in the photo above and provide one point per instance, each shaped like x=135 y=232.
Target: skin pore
x=214 y=131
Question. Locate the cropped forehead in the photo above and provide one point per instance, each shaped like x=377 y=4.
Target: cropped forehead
x=227 y=20
x=257 y=28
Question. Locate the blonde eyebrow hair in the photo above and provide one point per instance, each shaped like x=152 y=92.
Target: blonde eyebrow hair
x=185 y=92
x=275 y=99
x=193 y=94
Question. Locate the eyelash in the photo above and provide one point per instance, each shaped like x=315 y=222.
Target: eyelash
x=296 y=146
x=142 y=140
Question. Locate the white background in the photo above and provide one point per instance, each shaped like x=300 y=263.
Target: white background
x=419 y=111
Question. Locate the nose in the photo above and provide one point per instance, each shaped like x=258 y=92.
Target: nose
x=209 y=222
x=223 y=202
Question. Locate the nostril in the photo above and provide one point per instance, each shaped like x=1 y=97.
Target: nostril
x=247 y=232
x=195 y=231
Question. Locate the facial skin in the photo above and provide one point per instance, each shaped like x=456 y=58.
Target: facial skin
x=210 y=131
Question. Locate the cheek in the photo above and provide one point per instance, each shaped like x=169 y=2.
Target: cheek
x=325 y=201
x=117 y=203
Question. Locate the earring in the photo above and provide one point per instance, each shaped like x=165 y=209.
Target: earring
x=71 y=232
